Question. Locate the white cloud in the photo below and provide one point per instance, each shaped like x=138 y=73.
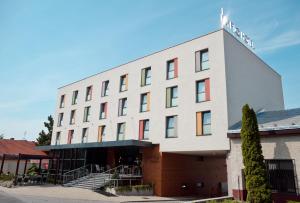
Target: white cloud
x=285 y=39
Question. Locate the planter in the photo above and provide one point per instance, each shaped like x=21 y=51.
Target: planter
x=131 y=191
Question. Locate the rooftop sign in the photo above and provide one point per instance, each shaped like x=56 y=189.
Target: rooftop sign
x=232 y=28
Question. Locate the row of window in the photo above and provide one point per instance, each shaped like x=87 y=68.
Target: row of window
x=172 y=72
x=203 y=127
x=202 y=94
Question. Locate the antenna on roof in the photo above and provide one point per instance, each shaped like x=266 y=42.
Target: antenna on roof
x=24 y=135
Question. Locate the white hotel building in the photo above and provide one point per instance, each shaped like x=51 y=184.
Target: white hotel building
x=171 y=109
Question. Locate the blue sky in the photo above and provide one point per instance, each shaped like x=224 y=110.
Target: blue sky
x=50 y=43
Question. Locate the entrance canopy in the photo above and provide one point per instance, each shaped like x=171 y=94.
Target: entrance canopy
x=120 y=143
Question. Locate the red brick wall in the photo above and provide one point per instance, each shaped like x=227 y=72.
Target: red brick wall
x=152 y=163
x=169 y=171
x=190 y=170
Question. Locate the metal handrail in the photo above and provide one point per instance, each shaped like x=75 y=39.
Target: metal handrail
x=76 y=173
x=77 y=169
x=121 y=170
x=86 y=172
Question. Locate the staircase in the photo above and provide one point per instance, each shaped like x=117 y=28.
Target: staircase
x=84 y=178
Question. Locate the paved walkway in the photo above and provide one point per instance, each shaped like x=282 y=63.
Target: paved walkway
x=59 y=194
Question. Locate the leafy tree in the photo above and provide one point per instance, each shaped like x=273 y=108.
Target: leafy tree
x=45 y=138
x=255 y=170
x=1 y=136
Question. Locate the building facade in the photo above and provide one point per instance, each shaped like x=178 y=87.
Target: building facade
x=280 y=140
x=171 y=107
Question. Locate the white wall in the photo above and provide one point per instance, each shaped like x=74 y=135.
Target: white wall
x=186 y=110
x=249 y=80
x=11 y=165
x=285 y=147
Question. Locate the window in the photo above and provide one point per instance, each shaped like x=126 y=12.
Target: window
x=202 y=60
x=87 y=112
x=145 y=102
x=202 y=90
x=171 y=126
x=60 y=119
x=57 y=139
x=281 y=175
x=105 y=88
x=88 y=95
x=84 y=137
x=172 y=96
x=172 y=69
x=72 y=117
x=146 y=76
x=144 y=129
x=123 y=83
x=103 y=110
x=122 y=107
x=62 y=101
x=101 y=133
x=121 y=131
x=70 y=136
x=75 y=97
x=203 y=123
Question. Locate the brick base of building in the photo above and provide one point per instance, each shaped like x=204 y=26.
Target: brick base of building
x=184 y=175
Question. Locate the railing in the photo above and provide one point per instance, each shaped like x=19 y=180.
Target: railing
x=81 y=172
x=111 y=176
x=122 y=173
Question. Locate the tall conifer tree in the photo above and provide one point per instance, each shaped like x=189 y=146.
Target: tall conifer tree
x=253 y=159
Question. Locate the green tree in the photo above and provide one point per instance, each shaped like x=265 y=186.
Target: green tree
x=1 y=136
x=255 y=170
x=45 y=138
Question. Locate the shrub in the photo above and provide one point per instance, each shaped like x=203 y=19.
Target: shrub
x=142 y=187
x=6 y=177
x=123 y=189
x=32 y=170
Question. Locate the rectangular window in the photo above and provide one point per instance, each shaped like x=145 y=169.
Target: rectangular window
x=101 y=133
x=84 y=137
x=202 y=90
x=74 y=97
x=105 y=88
x=123 y=83
x=281 y=175
x=171 y=126
x=203 y=123
x=60 y=119
x=70 y=136
x=121 y=131
x=62 y=101
x=172 y=69
x=202 y=60
x=144 y=129
x=87 y=112
x=72 y=117
x=57 y=138
x=103 y=110
x=146 y=76
x=145 y=102
x=122 y=107
x=88 y=95
x=172 y=96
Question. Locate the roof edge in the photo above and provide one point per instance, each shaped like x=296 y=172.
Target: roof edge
x=118 y=66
